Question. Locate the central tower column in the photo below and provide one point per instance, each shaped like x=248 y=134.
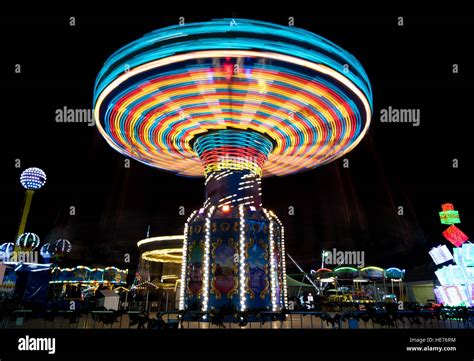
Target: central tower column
x=233 y=253
x=233 y=161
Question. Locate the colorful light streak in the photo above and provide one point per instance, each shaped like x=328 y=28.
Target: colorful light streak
x=167 y=255
x=298 y=96
x=182 y=289
x=231 y=149
x=206 y=277
x=92 y=276
x=242 y=267
x=234 y=101
x=160 y=239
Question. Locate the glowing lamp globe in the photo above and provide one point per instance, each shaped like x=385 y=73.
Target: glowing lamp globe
x=47 y=250
x=233 y=101
x=62 y=246
x=28 y=240
x=33 y=178
x=7 y=248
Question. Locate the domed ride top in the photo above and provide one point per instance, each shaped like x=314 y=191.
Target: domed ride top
x=28 y=240
x=156 y=97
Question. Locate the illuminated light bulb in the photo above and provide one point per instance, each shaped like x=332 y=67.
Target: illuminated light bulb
x=46 y=250
x=242 y=276
x=207 y=251
x=273 y=271
x=7 y=248
x=33 y=178
x=225 y=208
x=28 y=240
x=62 y=246
x=182 y=290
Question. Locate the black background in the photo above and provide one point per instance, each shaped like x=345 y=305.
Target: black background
x=128 y=344
x=350 y=209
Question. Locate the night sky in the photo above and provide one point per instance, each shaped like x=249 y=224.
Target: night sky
x=349 y=209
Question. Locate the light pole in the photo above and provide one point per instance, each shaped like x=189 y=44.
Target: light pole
x=31 y=179
x=324 y=253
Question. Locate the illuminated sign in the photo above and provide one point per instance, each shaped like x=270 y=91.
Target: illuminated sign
x=454 y=235
x=440 y=254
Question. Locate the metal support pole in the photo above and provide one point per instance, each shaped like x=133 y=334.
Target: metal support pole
x=146 y=302
x=301 y=270
x=26 y=210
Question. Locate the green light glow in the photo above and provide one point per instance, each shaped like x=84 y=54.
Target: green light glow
x=449 y=217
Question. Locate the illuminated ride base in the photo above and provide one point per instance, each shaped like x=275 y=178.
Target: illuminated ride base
x=237 y=100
